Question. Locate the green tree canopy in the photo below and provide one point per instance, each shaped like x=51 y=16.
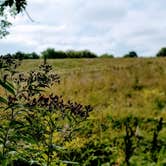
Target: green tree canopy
x=131 y=54
x=162 y=52
x=51 y=53
x=106 y=56
x=9 y=8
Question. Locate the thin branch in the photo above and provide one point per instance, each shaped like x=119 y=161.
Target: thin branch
x=29 y=17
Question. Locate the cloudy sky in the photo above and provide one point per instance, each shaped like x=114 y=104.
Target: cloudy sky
x=112 y=26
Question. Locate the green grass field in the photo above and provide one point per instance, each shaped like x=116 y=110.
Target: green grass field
x=127 y=94
x=124 y=86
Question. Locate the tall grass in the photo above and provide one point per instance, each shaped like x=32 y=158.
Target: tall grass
x=129 y=100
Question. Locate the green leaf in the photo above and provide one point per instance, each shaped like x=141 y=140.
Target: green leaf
x=3 y=100
x=7 y=87
x=4 y=162
x=10 y=84
x=14 y=123
x=70 y=162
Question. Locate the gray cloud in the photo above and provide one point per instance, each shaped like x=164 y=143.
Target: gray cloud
x=113 y=26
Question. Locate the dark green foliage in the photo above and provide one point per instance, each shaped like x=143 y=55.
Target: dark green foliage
x=94 y=153
x=30 y=119
x=134 y=144
x=19 y=4
x=80 y=54
x=159 y=103
x=131 y=54
x=20 y=162
x=106 y=56
x=50 y=53
x=130 y=129
x=155 y=149
x=22 y=55
x=4 y=24
x=16 y=6
x=161 y=53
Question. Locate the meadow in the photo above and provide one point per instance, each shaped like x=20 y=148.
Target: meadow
x=128 y=95
x=121 y=85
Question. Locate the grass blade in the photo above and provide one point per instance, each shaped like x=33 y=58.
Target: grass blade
x=7 y=87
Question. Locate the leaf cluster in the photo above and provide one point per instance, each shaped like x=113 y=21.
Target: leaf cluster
x=9 y=8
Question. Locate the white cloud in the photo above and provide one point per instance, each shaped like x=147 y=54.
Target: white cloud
x=113 y=26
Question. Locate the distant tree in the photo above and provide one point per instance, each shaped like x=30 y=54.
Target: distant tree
x=131 y=54
x=19 y=55
x=60 y=54
x=88 y=54
x=106 y=56
x=9 y=8
x=162 y=52
x=50 y=53
x=72 y=54
x=80 y=54
x=33 y=55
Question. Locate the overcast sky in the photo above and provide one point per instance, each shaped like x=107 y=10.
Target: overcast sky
x=112 y=26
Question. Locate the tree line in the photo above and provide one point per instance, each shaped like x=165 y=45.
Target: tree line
x=51 y=53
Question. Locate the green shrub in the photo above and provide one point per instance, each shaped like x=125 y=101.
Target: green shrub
x=34 y=126
x=162 y=52
x=131 y=54
x=107 y=56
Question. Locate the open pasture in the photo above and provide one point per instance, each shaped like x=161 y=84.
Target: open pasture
x=128 y=123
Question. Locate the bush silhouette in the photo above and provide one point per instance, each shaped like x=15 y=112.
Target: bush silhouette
x=162 y=52
x=131 y=54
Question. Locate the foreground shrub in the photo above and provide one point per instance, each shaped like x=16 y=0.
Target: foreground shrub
x=34 y=126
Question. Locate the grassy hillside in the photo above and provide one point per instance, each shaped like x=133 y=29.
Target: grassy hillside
x=132 y=85
x=128 y=96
